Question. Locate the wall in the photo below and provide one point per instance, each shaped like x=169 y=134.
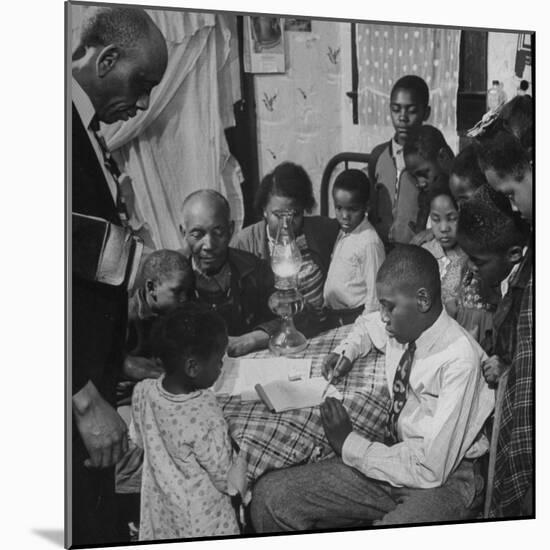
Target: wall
x=299 y=113
x=501 y=59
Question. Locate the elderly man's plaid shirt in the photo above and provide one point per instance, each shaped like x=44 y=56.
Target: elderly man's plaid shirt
x=514 y=463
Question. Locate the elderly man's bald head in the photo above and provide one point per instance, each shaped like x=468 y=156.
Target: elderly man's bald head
x=206 y=199
x=207 y=228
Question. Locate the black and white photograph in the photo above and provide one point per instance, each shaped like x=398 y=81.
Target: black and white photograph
x=264 y=46
x=299 y=274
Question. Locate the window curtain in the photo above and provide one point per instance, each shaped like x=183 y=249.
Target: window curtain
x=387 y=52
x=178 y=145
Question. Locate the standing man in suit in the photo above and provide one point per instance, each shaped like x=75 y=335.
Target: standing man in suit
x=118 y=59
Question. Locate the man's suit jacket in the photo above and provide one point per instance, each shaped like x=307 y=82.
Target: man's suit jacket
x=99 y=311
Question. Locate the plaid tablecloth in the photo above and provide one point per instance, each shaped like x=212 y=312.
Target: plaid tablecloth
x=272 y=441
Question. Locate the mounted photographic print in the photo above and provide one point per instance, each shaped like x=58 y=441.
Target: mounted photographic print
x=264 y=47
x=301 y=275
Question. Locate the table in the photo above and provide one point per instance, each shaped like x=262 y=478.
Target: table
x=272 y=441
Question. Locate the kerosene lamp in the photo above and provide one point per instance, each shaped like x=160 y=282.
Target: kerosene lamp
x=286 y=301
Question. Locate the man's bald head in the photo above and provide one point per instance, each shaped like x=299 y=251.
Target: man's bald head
x=206 y=199
x=120 y=57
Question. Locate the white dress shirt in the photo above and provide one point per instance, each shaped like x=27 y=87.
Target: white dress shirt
x=447 y=404
x=351 y=278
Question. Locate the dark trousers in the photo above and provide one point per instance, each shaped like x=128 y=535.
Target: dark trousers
x=93 y=510
x=329 y=495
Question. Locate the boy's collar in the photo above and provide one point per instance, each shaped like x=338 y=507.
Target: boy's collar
x=433 y=333
x=506 y=283
x=362 y=225
x=396 y=148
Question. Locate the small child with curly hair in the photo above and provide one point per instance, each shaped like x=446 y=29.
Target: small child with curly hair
x=178 y=423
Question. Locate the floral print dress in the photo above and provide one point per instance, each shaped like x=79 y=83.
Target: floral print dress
x=187 y=456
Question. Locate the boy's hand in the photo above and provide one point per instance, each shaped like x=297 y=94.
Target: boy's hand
x=422 y=237
x=241 y=345
x=493 y=368
x=336 y=423
x=103 y=431
x=329 y=362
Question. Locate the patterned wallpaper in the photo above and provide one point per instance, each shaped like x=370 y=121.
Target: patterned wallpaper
x=299 y=112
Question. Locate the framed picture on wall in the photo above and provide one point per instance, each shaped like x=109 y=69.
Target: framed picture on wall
x=264 y=47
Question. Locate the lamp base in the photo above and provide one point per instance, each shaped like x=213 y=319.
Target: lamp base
x=287 y=302
x=287 y=341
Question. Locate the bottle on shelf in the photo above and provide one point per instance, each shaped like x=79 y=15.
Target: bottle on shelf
x=495 y=96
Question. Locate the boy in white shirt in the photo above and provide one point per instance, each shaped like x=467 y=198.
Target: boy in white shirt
x=424 y=472
x=358 y=253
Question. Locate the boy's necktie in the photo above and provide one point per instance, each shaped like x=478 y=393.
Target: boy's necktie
x=400 y=387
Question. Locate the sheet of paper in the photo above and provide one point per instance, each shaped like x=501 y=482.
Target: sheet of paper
x=239 y=376
x=285 y=395
x=228 y=382
x=262 y=371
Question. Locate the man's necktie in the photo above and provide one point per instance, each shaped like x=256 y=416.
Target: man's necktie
x=114 y=170
x=400 y=387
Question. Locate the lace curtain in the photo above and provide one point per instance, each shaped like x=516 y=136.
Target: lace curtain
x=178 y=145
x=387 y=52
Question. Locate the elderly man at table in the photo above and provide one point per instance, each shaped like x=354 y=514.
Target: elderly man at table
x=233 y=282
x=424 y=471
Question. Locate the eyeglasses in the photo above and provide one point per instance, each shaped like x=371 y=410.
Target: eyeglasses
x=291 y=212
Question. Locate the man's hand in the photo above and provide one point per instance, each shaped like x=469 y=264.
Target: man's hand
x=336 y=423
x=422 y=237
x=493 y=368
x=241 y=345
x=329 y=363
x=138 y=368
x=102 y=430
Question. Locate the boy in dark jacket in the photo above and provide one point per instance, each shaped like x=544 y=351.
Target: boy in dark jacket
x=395 y=193
x=498 y=248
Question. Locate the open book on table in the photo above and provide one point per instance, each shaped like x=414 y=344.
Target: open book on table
x=239 y=377
x=284 y=395
x=281 y=383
